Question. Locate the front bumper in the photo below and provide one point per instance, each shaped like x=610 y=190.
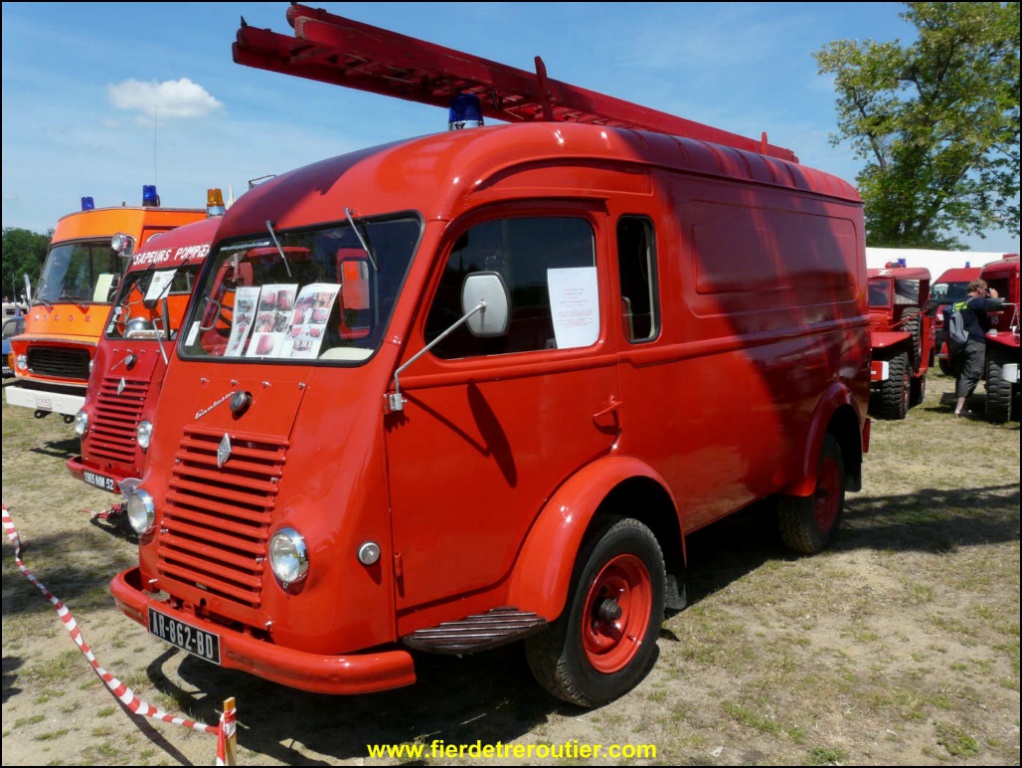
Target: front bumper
x=103 y=479
x=313 y=672
x=41 y=400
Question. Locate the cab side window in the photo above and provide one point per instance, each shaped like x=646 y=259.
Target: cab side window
x=549 y=267
x=637 y=268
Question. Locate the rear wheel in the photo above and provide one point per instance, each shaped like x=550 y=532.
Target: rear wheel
x=918 y=391
x=998 y=390
x=912 y=324
x=894 y=392
x=605 y=639
x=809 y=524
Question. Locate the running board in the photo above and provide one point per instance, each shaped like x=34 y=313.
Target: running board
x=479 y=632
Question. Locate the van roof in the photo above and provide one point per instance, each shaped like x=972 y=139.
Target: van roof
x=436 y=174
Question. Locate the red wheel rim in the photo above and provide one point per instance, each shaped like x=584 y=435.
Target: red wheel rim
x=828 y=494
x=617 y=614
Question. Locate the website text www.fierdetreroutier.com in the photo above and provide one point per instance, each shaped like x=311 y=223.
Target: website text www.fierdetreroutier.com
x=568 y=750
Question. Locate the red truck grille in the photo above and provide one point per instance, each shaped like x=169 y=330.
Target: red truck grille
x=118 y=411
x=216 y=520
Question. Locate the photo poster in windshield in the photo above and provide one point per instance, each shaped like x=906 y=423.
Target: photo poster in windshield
x=246 y=301
x=159 y=286
x=574 y=306
x=272 y=326
x=309 y=321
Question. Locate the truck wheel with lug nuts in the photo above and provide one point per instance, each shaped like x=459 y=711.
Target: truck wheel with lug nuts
x=894 y=392
x=998 y=390
x=809 y=524
x=604 y=642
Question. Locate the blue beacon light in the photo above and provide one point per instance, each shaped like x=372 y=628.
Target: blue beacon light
x=466 y=112
x=88 y=204
x=149 y=197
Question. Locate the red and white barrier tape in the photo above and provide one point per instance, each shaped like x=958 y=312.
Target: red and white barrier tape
x=225 y=728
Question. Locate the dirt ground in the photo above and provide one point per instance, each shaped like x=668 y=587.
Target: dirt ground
x=900 y=646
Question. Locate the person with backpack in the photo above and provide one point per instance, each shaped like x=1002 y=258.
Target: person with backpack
x=968 y=351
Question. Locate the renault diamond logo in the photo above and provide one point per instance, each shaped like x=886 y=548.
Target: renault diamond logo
x=223 y=453
x=121 y=385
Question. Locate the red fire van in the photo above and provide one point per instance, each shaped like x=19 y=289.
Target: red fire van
x=479 y=387
x=132 y=355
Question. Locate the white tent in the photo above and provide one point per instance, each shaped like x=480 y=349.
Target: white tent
x=936 y=261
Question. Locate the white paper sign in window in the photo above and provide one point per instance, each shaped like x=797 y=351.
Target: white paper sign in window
x=160 y=284
x=574 y=306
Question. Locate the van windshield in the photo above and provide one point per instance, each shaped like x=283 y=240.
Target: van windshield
x=312 y=295
x=84 y=273
x=138 y=309
x=948 y=292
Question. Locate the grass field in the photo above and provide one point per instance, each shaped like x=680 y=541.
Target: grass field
x=899 y=646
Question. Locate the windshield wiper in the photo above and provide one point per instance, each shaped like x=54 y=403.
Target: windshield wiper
x=41 y=300
x=276 y=242
x=363 y=240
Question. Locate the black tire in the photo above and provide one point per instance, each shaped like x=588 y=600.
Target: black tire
x=809 y=524
x=912 y=324
x=894 y=392
x=918 y=393
x=999 y=393
x=945 y=366
x=593 y=654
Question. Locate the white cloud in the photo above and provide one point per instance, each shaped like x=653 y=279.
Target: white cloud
x=171 y=98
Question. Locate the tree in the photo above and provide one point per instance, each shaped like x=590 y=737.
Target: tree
x=23 y=254
x=936 y=121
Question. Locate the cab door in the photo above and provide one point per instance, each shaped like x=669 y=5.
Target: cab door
x=492 y=426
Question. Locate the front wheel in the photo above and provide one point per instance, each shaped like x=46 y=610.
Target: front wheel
x=604 y=642
x=809 y=524
x=895 y=391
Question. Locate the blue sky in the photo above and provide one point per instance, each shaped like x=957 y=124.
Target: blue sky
x=80 y=81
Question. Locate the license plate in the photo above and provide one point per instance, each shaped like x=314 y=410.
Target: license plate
x=197 y=642
x=43 y=403
x=100 y=481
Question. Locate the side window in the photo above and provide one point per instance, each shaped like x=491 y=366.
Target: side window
x=549 y=266
x=637 y=266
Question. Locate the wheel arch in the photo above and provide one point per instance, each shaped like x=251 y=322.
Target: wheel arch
x=616 y=485
x=836 y=414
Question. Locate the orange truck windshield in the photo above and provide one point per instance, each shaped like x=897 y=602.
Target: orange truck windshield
x=85 y=272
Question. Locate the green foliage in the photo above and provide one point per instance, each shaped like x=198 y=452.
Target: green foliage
x=23 y=254
x=937 y=122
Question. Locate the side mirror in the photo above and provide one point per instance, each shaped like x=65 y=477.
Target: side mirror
x=488 y=289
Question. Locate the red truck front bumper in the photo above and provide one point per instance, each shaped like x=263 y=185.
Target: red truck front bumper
x=314 y=672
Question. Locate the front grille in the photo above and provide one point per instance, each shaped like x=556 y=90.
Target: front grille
x=216 y=520
x=112 y=434
x=59 y=362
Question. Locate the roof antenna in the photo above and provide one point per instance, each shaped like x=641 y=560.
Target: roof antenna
x=156 y=123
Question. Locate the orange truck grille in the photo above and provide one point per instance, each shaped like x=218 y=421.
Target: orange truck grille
x=59 y=362
x=112 y=434
x=216 y=520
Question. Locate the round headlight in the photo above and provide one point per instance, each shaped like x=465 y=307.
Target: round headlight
x=141 y=511
x=289 y=557
x=144 y=433
x=22 y=362
x=81 y=423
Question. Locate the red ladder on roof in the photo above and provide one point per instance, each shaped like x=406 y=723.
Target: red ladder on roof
x=333 y=49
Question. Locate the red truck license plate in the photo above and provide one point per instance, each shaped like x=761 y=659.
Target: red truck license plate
x=197 y=642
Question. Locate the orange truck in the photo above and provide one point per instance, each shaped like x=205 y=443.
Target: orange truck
x=88 y=255
x=134 y=351
x=478 y=387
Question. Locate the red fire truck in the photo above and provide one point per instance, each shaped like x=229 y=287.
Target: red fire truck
x=479 y=386
x=902 y=335
x=132 y=356
x=1002 y=376
x=950 y=287
x=54 y=354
